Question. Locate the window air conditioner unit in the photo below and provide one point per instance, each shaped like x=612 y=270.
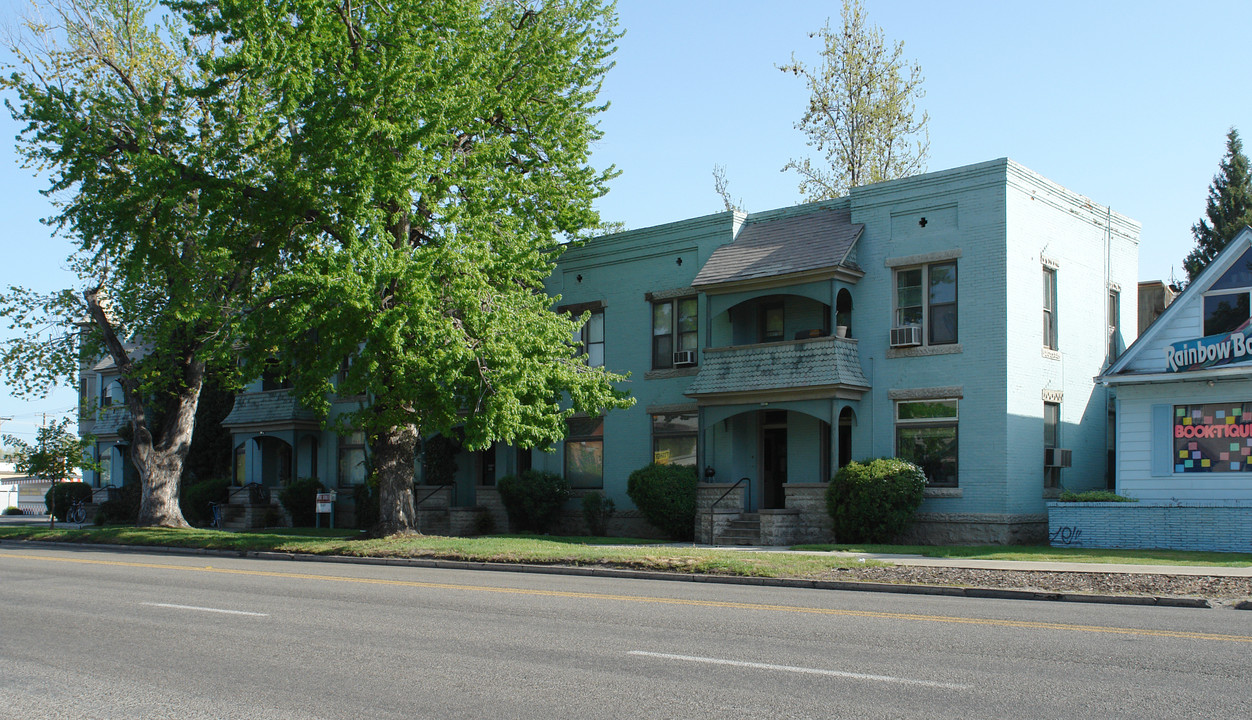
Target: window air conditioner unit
x=906 y=336
x=684 y=357
x=1057 y=457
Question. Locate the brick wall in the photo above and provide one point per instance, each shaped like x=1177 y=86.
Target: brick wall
x=1215 y=526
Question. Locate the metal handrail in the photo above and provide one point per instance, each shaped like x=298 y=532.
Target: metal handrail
x=741 y=481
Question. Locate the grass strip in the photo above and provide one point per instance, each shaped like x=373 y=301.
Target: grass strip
x=1045 y=553
x=600 y=552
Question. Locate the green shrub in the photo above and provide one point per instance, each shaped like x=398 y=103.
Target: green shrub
x=533 y=499
x=194 y=499
x=874 y=502
x=300 y=499
x=597 y=509
x=666 y=496
x=484 y=523
x=123 y=508
x=66 y=494
x=1094 y=496
x=12 y=510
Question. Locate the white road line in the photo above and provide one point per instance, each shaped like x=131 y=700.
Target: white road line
x=205 y=609
x=808 y=671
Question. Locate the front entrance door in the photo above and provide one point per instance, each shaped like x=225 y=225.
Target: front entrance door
x=773 y=459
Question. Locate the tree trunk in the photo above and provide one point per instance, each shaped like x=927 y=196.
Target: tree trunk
x=395 y=451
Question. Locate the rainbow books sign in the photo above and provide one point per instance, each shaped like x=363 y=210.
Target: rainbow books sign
x=1229 y=348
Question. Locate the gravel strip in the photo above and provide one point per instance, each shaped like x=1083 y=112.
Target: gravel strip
x=1224 y=589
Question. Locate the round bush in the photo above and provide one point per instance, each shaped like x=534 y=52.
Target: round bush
x=13 y=510
x=874 y=502
x=533 y=499
x=666 y=496
x=300 y=499
x=66 y=494
x=194 y=499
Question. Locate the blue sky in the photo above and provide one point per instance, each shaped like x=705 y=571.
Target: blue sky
x=1127 y=103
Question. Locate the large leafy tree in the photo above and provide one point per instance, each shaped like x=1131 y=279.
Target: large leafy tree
x=1229 y=208
x=443 y=148
x=164 y=177
x=862 y=116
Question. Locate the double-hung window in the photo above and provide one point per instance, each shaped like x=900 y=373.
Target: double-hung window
x=674 y=439
x=352 y=468
x=674 y=324
x=1115 y=311
x=1051 y=439
x=926 y=435
x=1049 y=308
x=584 y=452
x=926 y=297
x=590 y=339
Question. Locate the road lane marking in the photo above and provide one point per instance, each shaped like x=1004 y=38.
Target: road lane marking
x=794 y=669
x=205 y=609
x=1025 y=624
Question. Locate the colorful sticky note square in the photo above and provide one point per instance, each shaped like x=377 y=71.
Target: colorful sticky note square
x=1234 y=446
x=1205 y=462
x=1246 y=450
x=1208 y=419
x=1193 y=446
x=1234 y=466
x=1190 y=463
x=1178 y=468
x=1225 y=456
x=1195 y=455
x=1179 y=412
x=1230 y=419
x=1236 y=411
x=1182 y=454
x=1219 y=414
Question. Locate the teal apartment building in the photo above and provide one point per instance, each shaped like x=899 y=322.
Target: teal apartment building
x=956 y=318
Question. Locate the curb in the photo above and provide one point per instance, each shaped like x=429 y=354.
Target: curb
x=845 y=585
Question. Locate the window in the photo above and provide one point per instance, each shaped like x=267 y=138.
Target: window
x=1051 y=439
x=590 y=339
x=1225 y=312
x=1115 y=311
x=772 y=322
x=584 y=452
x=1213 y=438
x=926 y=437
x=352 y=459
x=673 y=329
x=674 y=439
x=106 y=468
x=241 y=463
x=926 y=297
x=1049 y=308
x=1226 y=304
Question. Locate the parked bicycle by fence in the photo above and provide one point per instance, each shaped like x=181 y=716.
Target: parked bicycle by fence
x=77 y=512
x=215 y=515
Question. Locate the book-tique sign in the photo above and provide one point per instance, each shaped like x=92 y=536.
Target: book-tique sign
x=1230 y=348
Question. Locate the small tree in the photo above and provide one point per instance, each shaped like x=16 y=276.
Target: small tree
x=1229 y=208
x=873 y=502
x=861 y=114
x=57 y=452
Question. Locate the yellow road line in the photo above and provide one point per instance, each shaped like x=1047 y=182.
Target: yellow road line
x=657 y=600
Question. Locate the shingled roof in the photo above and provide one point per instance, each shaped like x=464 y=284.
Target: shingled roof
x=784 y=246
x=818 y=363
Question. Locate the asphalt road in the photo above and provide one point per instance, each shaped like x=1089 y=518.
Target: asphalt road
x=96 y=634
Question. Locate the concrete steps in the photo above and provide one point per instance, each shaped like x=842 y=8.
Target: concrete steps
x=743 y=530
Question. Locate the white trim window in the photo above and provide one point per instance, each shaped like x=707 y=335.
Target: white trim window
x=1226 y=306
x=926 y=435
x=925 y=296
x=1050 y=335
x=674 y=324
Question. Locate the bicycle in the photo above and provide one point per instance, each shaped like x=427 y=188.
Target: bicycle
x=215 y=515
x=77 y=512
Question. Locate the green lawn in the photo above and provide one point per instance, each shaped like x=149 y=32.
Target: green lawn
x=1046 y=553
x=630 y=553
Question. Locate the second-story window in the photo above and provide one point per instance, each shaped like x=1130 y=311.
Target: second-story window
x=926 y=297
x=674 y=325
x=1115 y=311
x=590 y=339
x=1049 y=308
x=773 y=322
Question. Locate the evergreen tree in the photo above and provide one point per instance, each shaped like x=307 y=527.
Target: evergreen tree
x=1229 y=208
